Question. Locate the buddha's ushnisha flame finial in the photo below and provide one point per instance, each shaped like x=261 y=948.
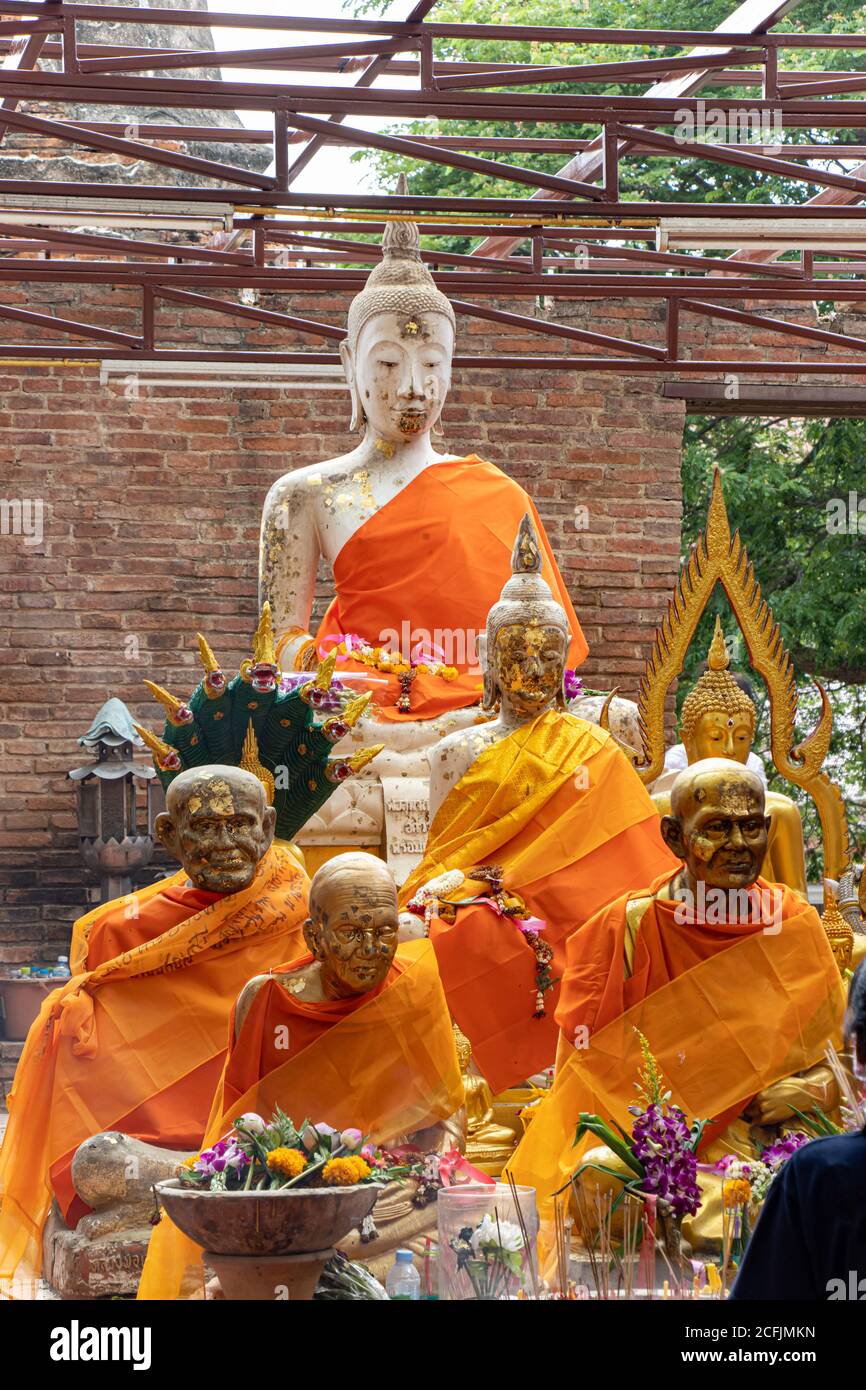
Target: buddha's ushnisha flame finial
x=264 y=647
x=716 y=692
x=718 y=656
x=526 y=555
x=165 y=757
x=250 y=762
x=176 y=711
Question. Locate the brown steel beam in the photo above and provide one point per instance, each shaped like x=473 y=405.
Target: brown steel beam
x=631 y=71
x=122 y=245
x=518 y=32
x=774 y=325
x=670 y=144
x=245 y=311
x=153 y=154
x=775 y=398
x=398 y=145
x=58 y=325
x=556 y=330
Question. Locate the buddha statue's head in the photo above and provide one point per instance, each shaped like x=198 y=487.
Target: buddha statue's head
x=527 y=638
x=353 y=923
x=718 y=718
x=218 y=823
x=717 y=825
x=399 y=344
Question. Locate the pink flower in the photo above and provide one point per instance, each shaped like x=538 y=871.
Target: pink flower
x=351 y=1138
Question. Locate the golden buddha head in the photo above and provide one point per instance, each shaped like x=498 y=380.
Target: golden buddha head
x=717 y=824
x=399 y=342
x=218 y=824
x=718 y=718
x=353 y=923
x=527 y=637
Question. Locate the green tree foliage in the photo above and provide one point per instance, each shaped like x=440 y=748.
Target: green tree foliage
x=653 y=178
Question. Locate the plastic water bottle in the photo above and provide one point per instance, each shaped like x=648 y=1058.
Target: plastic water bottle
x=61 y=969
x=403 y=1279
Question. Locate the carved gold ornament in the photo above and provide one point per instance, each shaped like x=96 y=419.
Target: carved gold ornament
x=718 y=557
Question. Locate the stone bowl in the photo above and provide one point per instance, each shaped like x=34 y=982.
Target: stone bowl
x=291 y=1221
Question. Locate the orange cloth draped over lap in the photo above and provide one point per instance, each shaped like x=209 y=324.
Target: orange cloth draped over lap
x=387 y=1065
x=727 y=1011
x=557 y=805
x=425 y=569
x=137 y=1043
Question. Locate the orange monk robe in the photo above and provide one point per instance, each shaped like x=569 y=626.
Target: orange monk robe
x=426 y=569
x=385 y=1064
x=119 y=926
x=137 y=1043
x=728 y=1010
x=557 y=805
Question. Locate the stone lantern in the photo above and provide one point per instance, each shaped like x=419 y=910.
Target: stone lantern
x=113 y=844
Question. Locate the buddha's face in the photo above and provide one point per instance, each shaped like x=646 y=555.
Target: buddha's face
x=401 y=370
x=352 y=929
x=718 y=828
x=528 y=665
x=719 y=735
x=218 y=825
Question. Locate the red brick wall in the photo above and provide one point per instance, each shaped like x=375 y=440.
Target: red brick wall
x=151 y=518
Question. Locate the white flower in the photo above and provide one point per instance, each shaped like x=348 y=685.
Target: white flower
x=252 y=1123
x=506 y=1235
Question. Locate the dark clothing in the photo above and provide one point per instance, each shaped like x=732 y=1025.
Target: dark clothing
x=809 y=1243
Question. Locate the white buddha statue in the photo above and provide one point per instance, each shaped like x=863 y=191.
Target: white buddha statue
x=417 y=542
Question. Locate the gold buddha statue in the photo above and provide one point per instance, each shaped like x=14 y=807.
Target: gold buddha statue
x=718 y=721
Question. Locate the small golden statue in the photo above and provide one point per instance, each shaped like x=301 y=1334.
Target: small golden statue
x=718 y=721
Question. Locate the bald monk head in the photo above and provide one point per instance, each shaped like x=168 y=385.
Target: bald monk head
x=717 y=824
x=353 y=923
x=218 y=823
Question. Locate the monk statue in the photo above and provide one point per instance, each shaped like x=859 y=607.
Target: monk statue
x=718 y=721
x=538 y=818
x=354 y=1032
x=165 y=962
x=415 y=540
x=730 y=978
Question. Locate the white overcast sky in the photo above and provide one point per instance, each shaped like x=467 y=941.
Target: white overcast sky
x=332 y=167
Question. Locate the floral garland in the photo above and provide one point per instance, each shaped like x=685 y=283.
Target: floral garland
x=392 y=663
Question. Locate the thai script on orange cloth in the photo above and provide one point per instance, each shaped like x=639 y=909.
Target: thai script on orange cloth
x=727 y=1011
x=556 y=805
x=137 y=1043
x=387 y=1066
x=426 y=568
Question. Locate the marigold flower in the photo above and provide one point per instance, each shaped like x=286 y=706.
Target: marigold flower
x=287 y=1162
x=343 y=1172
x=737 y=1192
x=190 y=1162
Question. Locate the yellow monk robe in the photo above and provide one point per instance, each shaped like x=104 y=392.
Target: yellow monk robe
x=386 y=1065
x=138 y=1043
x=558 y=806
x=727 y=1010
x=432 y=562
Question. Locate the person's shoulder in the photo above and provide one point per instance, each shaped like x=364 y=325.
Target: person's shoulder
x=829 y=1158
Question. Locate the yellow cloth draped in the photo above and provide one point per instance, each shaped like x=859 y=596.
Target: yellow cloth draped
x=110 y=1040
x=388 y=1068
x=557 y=805
x=759 y=1011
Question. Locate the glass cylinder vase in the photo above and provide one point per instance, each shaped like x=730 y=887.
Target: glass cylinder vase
x=486 y=1249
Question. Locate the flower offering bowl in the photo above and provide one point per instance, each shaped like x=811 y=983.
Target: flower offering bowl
x=288 y=1221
